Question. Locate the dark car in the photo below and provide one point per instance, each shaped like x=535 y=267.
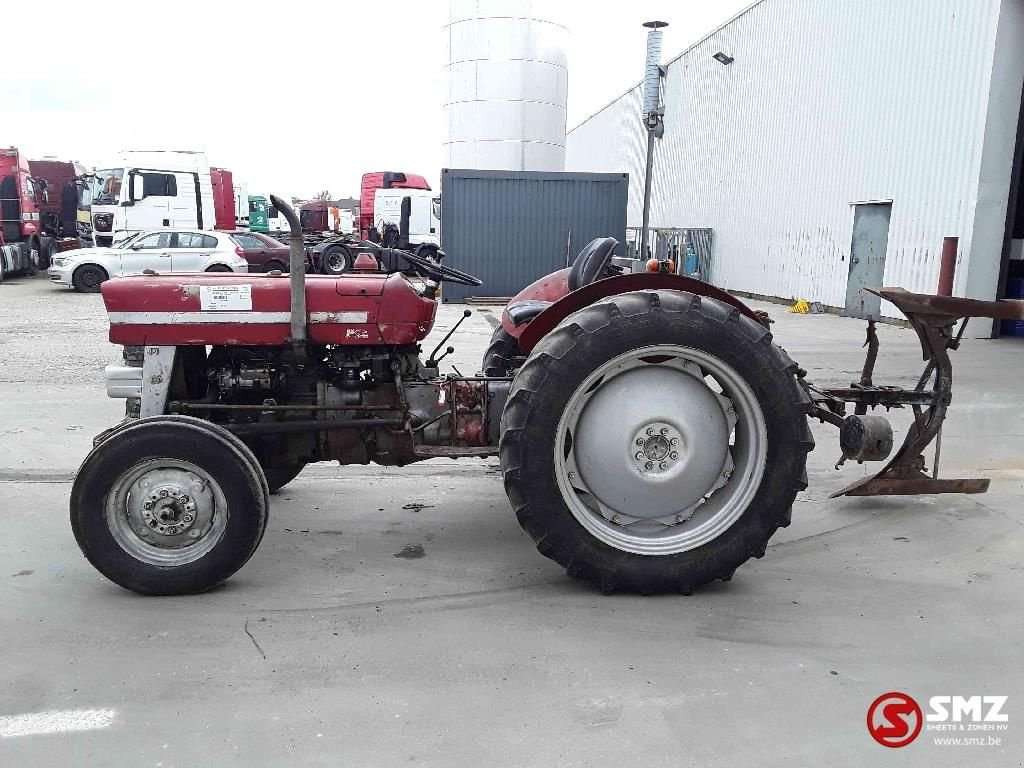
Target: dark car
x=263 y=252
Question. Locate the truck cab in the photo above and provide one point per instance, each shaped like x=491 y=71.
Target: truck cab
x=259 y=213
x=424 y=216
x=20 y=227
x=149 y=190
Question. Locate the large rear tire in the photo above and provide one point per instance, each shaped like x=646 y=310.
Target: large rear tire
x=654 y=442
x=168 y=506
x=498 y=356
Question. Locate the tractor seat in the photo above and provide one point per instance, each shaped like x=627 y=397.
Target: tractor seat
x=588 y=266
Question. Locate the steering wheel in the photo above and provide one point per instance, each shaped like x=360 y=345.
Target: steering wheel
x=438 y=272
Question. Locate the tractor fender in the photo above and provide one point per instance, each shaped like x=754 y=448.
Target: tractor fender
x=546 y=321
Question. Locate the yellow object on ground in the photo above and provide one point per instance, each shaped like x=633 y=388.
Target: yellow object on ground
x=801 y=307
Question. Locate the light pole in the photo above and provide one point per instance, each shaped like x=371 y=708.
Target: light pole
x=653 y=119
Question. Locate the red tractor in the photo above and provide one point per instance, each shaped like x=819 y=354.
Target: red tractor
x=651 y=434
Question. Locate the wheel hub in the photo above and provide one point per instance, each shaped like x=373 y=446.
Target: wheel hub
x=658 y=447
x=169 y=511
x=168 y=507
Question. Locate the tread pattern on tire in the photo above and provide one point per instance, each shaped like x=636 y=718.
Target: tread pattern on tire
x=81 y=511
x=549 y=523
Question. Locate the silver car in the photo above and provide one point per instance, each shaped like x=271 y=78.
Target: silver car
x=160 y=250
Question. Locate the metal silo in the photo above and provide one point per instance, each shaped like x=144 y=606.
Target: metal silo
x=506 y=86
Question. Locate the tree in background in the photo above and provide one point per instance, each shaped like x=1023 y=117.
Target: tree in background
x=324 y=194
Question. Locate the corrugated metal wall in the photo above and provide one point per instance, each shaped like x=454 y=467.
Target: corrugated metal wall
x=826 y=104
x=510 y=227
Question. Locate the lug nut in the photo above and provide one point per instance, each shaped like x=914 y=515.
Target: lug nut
x=673 y=455
x=664 y=430
x=649 y=465
x=172 y=530
x=152 y=523
x=639 y=455
x=148 y=505
x=639 y=441
x=662 y=465
x=189 y=518
x=650 y=431
x=184 y=499
x=163 y=493
x=674 y=441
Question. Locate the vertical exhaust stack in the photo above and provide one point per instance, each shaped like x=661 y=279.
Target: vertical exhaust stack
x=652 y=118
x=296 y=272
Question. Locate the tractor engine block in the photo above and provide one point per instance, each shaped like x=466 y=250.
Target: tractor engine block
x=350 y=404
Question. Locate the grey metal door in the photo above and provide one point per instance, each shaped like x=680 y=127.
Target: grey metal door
x=867 y=259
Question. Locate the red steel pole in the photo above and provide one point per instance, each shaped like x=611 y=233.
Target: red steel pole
x=947 y=267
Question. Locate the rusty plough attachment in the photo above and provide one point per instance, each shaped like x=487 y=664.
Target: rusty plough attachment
x=868 y=437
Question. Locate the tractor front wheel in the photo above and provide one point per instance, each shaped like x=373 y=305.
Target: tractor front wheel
x=654 y=441
x=169 y=506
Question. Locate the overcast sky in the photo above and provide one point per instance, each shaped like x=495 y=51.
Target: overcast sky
x=293 y=97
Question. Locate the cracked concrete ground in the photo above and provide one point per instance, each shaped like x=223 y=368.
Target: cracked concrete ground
x=401 y=615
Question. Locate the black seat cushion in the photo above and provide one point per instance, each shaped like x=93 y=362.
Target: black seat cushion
x=592 y=262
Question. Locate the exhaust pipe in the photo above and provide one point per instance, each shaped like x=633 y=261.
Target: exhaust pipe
x=296 y=273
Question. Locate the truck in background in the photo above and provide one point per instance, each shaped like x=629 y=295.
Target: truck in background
x=223 y=198
x=64 y=203
x=22 y=241
x=277 y=224
x=147 y=190
x=320 y=216
x=242 y=212
x=424 y=216
x=370 y=183
x=259 y=213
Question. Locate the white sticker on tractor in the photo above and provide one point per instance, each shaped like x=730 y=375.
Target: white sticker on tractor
x=216 y=298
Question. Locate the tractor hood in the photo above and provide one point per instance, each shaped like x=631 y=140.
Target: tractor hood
x=233 y=309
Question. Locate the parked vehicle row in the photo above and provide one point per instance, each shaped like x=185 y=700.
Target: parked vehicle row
x=161 y=251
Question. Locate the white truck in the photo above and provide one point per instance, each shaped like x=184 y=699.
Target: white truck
x=241 y=205
x=424 y=216
x=147 y=190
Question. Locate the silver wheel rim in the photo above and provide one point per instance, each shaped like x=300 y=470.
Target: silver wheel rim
x=336 y=261
x=660 y=450
x=166 y=512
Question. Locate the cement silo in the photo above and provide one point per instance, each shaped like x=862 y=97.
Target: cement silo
x=507 y=81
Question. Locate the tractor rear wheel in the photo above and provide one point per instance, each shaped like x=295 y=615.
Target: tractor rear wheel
x=655 y=441
x=498 y=356
x=169 y=506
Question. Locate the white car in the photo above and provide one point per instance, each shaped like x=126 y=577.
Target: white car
x=161 y=250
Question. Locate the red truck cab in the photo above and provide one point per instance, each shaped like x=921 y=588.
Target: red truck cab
x=223 y=199
x=19 y=214
x=382 y=180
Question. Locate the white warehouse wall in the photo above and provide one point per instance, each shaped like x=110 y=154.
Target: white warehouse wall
x=827 y=104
